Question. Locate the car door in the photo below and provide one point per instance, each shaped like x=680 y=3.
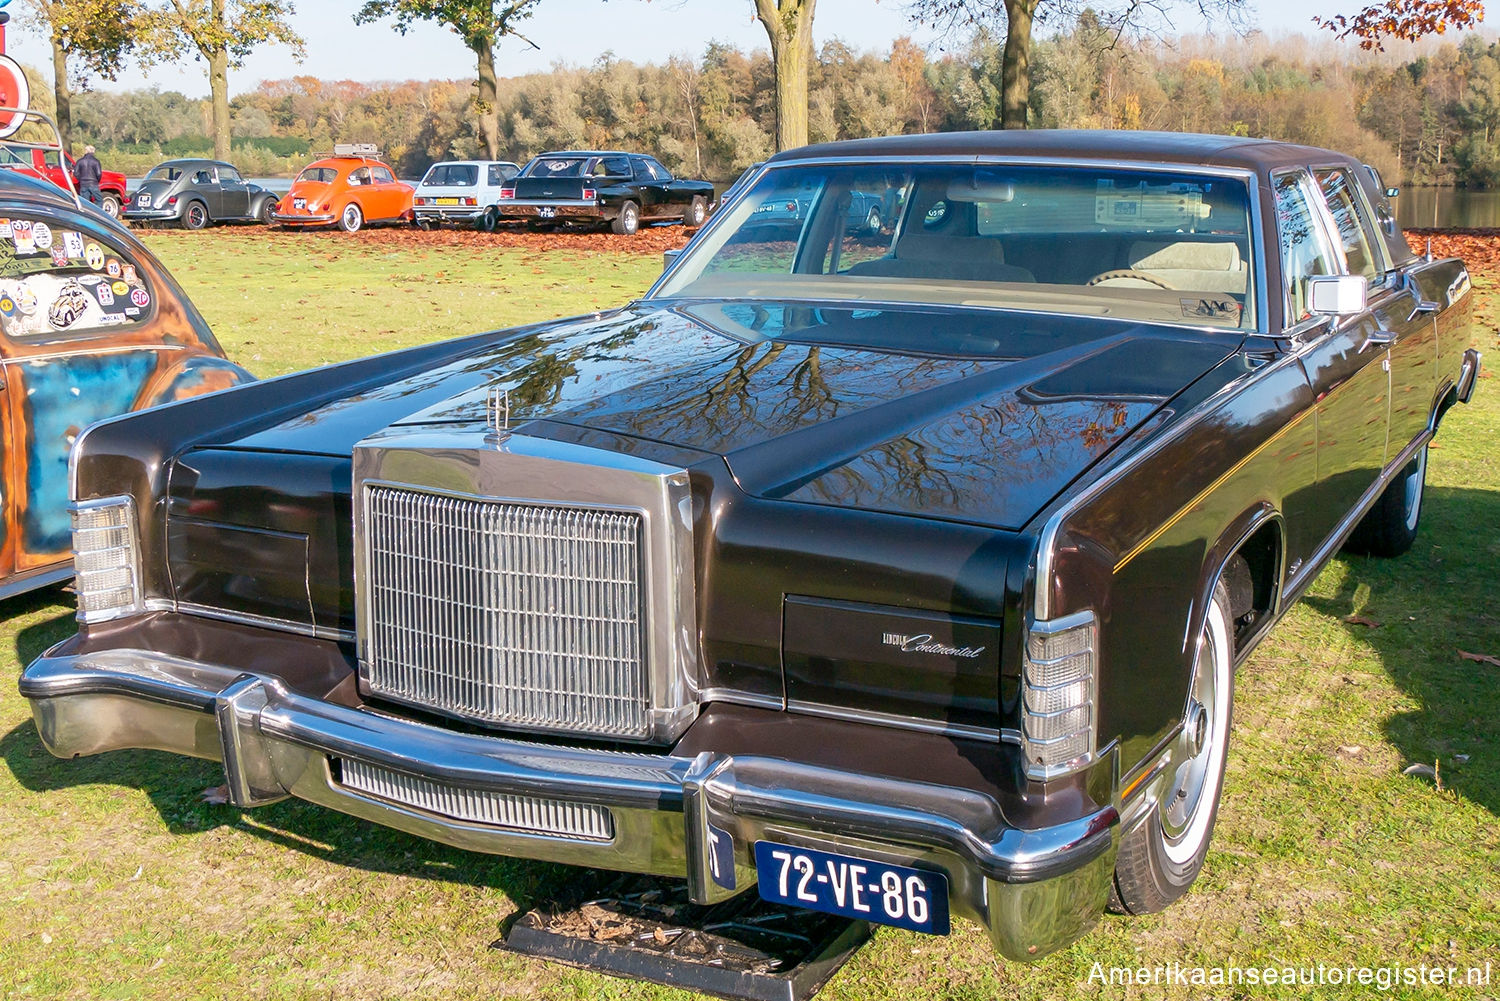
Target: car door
x=384 y=195
x=206 y=189
x=1344 y=362
x=674 y=201
x=234 y=194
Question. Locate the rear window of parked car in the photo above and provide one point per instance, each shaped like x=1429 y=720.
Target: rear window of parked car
x=57 y=282
x=164 y=173
x=557 y=166
x=452 y=174
x=327 y=175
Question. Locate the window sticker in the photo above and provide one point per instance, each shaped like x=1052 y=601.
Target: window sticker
x=22 y=238
x=72 y=286
x=41 y=235
x=73 y=244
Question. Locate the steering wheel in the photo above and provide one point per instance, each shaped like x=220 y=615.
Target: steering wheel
x=1129 y=273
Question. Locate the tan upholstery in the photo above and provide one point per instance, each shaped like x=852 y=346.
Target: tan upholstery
x=1193 y=265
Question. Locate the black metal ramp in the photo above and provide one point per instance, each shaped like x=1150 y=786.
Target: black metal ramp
x=647 y=929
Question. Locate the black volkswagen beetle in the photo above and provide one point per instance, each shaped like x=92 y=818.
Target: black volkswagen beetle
x=899 y=577
x=198 y=193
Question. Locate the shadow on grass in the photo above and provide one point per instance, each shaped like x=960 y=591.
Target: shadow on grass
x=1431 y=603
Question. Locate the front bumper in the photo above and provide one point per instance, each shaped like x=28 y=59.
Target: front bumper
x=1033 y=890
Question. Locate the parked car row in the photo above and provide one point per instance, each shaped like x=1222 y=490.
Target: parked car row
x=901 y=575
x=354 y=188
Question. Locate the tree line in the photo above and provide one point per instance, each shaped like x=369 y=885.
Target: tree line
x=1434 y=118
x=98 y=37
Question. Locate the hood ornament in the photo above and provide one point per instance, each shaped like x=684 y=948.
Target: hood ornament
x=498 y=413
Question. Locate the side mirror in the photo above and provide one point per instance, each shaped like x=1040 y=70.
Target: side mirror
x=1392 y=192
x=668 y=257
x=1337 y=295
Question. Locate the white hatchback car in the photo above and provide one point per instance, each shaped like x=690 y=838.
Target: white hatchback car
x=462 y=191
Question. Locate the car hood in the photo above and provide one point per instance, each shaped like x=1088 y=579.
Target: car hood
x=815 y=405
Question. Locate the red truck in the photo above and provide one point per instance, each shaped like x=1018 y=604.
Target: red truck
x=42 y=162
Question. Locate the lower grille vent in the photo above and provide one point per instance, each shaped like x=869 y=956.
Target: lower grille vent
x=528 y=814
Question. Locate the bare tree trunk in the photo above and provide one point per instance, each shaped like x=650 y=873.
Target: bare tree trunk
x=61 y=92
x=486 y=103
x=1015 y=66
x=788 y=24
x=218 y=82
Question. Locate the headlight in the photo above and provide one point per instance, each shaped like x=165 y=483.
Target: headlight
x=106 y=559
x=1060 y=676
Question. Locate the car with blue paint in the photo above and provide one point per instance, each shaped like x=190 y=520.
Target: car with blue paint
x=91 y=326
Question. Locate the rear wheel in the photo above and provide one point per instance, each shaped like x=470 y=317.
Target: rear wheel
x=1390 y=527
x=1163 y=855
x=490 y=219
x=195 y=216
x=351 y=219
x=873 y=222
x=109 y=204
x=696 y=213
x=628 y=221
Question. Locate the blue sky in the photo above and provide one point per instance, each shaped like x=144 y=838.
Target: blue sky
x=575 y=32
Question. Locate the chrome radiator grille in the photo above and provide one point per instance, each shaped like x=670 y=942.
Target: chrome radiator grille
x=527 y=615
x=523 y=813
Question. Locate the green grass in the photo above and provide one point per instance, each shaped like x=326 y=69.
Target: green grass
x=116 y=881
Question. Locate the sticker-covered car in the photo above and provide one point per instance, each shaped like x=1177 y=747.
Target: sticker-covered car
x=462 y=191
x=91 y=326
x=900 y=578
x=196 y=193
x=351 y=189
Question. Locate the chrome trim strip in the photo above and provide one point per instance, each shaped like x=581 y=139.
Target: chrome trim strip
x=739 y=698
x=249 y=619
x=36 y=580
x=572 y=203
x=1003 y=735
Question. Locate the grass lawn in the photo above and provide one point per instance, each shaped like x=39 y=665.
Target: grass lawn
x=118 y=881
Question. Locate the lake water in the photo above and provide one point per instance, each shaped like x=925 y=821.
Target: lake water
x=1447 y=208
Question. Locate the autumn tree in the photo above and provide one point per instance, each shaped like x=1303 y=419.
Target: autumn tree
x=1403 y=20
x=1016 y=19
x=481 y=24
x=788 y=24
x=88 y=38
x=221 y=33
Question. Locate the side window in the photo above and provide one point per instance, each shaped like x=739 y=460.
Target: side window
x=229 y=175
x=657 y=170
x=616 y=166
x=203 y=177
x=56 y=281
x=1304 y=246
x=360 y=176
x=1349 y=220
x=381 y=175
x=496 y=174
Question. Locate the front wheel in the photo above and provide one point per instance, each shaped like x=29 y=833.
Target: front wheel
x=628 y=221
x=696 y=213
x=351 y=219
x=109 y=205
x=490 y=219
x=267 y=211
x=873 y=222
x=1390 y=527
x=1163 y=855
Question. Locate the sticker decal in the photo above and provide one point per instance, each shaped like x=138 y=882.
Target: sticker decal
x=130 y=276
x=71 y=303
x=41 y=235
x=73 y=243
x=120 y=288
x=59 y=257
x=104 y=295
x=26 y=300
x=112 y=268
x=94 y=254
x=21 y=236
x=5 y=229
x=139 y=297
x=1212 y=308
x=8 y=306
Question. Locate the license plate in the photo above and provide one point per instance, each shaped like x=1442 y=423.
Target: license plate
x=916 y=899
x=299 y=203
x=447 y=201
x=546 y=212
x=144 y=201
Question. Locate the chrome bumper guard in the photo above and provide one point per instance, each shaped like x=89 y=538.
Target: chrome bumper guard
x=312 y=220
x=1034 y=890
x=1467 y=375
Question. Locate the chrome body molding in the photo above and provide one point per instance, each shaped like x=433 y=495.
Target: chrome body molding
x=1033 y=890
x=1006 y=735
x=467 y=467
x=248 y=619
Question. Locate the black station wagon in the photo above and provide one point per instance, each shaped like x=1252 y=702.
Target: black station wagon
x=899 y=572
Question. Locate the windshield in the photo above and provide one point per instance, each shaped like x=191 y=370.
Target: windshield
x=326 y=175
x=164 y=173
x=1154 y=245
x=452 y=174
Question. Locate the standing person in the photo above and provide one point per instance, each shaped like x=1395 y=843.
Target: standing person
x=88 y=171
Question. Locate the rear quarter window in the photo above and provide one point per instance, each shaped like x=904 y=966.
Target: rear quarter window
x=56 y=281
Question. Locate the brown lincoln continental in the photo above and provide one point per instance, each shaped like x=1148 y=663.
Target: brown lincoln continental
x=899 y=572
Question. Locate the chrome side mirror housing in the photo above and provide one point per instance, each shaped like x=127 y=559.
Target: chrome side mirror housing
x=1337 y=295
x=668 y=257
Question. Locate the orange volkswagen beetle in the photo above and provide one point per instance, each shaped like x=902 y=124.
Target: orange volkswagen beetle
x=349 y=189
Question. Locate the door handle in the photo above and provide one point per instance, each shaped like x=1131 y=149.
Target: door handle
x=1409 y=282
x=1383 y=338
